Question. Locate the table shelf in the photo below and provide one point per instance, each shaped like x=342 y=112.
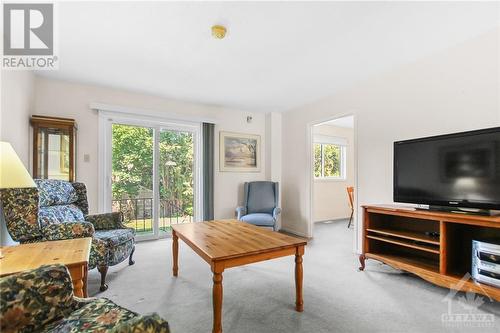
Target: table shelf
x=410 y=235
x=406 y=243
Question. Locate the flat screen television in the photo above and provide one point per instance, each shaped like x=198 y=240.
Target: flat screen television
x=454 y=170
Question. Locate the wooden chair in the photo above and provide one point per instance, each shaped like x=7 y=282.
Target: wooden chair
x=350 y=194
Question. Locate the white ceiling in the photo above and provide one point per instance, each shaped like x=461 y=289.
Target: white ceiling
x=276 y=56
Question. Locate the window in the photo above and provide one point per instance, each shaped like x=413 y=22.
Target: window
x=329 y=160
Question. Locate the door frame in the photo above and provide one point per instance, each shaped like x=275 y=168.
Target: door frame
x=106 y=120
x=310 y=177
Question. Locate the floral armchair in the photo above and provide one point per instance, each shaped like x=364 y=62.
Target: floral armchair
x=42 y=300
x=57 y=210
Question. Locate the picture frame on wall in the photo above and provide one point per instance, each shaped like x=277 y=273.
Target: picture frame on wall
x=239 y=152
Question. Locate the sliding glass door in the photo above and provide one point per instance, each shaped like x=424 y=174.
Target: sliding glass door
x=176 y=178
x=132 y=176
x=153 y=174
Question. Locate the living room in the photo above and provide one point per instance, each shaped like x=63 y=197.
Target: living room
x=175 y=113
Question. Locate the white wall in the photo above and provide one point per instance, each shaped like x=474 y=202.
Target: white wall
x=17 y=104
x=71 y=100
x=454 y=90
x=274 y=152
x=330 y=200
x=17 y=94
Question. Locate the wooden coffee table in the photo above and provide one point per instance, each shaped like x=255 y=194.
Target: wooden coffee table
x=73 y=253
x=230 y=243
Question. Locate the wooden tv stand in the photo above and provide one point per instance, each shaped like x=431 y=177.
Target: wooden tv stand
x=436 y=246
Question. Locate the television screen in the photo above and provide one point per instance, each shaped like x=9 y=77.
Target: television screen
x=460 y=170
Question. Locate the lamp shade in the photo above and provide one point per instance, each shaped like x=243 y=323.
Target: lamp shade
x=13 y=174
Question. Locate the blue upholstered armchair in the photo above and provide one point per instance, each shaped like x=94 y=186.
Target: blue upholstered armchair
x=57 y=210
x=260 y=204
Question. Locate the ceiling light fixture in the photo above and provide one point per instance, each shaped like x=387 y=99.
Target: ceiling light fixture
x=218 y=31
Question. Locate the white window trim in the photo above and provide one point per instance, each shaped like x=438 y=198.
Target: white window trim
x=109 y=117
x=342 y=143
x=334 y=140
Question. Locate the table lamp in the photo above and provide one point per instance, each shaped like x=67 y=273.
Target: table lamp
x=13 y=174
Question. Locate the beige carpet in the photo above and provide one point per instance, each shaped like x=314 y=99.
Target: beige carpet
x=260 y=297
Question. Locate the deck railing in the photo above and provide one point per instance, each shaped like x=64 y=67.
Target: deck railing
x=138 y=213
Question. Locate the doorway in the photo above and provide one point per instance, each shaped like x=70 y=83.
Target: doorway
x=333 y=174
x=153 y=172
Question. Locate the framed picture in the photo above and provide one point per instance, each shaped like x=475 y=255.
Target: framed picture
x=239 y=152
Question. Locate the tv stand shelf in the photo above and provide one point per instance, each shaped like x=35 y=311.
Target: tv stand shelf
x=405 y=243
x=415 y=236
x=437 y=246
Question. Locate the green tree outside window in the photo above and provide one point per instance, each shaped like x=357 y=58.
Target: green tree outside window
x=317 y=160
x=132 y=165
x=328 y=160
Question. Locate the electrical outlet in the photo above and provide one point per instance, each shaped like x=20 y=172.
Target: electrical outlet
x=86 y=158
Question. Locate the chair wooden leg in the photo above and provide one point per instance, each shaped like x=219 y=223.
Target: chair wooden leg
x=350 y=219
x=362 y=260
x=103 y=270
x=130 y=261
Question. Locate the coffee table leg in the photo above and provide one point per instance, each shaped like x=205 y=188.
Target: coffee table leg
x=217 y=300
x=175 y=252
x=299 y=272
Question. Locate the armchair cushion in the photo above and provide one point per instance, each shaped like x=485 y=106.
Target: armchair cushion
x=100 y=315
x=260 y=197
x=34 y=298
x=121 y=252
x=68 y=230
x=106 y=221
x=55 y=192
x=119 y=243
x=260 y=219
x=143 y=324
x=115 y=237
x=59 y=214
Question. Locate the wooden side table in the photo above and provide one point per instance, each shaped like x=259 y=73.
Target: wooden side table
x=73 y=253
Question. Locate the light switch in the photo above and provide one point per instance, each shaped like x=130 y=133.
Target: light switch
x=86 y=157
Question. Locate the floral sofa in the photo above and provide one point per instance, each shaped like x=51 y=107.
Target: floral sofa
x=42 y=300
x=57 y=210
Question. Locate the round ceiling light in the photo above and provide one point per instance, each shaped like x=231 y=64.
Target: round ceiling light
x=218 y=31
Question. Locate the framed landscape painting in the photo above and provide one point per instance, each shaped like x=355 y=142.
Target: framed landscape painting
x=239 y=152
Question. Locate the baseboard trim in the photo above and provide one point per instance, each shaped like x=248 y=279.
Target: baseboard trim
x=333 y=220
x=294 y=232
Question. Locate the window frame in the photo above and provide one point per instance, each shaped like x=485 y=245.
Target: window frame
x=342 y=161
